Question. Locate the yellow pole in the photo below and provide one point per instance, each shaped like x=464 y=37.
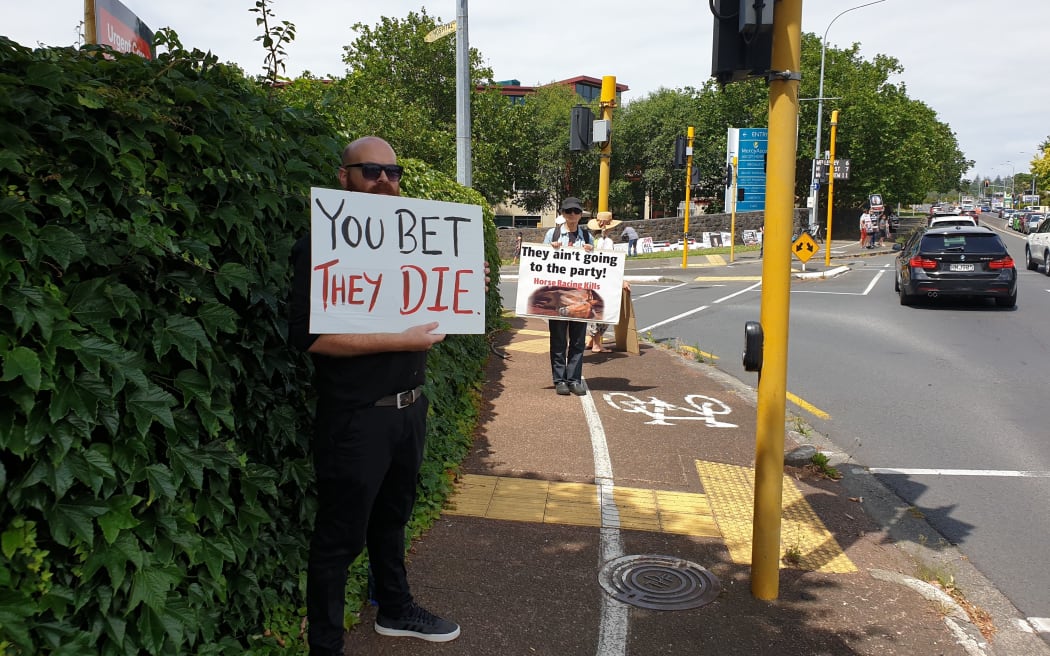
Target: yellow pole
x=90 y=36
x=732 y=220
x=608 y=101
x=776 y=292
x=831 y=187
x=688 y=184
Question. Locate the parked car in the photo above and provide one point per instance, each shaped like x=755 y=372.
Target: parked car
x=956 y=261
x=1037 y=247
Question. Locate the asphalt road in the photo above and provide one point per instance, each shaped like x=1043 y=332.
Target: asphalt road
x=945 y=400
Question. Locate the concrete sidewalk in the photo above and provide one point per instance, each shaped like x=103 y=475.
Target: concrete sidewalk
x=619 y=523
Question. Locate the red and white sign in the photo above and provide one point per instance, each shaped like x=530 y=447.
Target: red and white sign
x=382 y=264
x=118 y=27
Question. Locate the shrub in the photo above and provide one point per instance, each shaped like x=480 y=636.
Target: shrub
x=154 y=458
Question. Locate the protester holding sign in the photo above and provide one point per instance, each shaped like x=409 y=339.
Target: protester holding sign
x=370 y=431
x=568 y=339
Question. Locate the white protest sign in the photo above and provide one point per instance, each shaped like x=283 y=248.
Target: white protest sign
x=382 y=264
x=569 y=283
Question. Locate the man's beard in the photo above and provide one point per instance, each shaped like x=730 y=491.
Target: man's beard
x=385 y=189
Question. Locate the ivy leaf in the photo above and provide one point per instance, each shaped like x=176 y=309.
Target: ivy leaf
x=150 y=586
x=22 y=363
x=75 y=519
x=217 y=318
x=118 y=517
x=161 y=482
x=63 y=246
x=45 y=75
x=193 y=385
x=233 y=276
x=149 y=404
x=182 y=332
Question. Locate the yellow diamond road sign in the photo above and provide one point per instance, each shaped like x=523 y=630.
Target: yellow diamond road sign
x=804 y=247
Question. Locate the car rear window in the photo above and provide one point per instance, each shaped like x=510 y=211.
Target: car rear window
x=962 y=242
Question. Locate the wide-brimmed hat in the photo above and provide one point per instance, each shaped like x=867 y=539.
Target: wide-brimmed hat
x=602 y=221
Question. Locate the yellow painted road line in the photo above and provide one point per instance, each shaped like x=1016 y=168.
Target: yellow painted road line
x=730 y=491
x=696 y=351
x=529 y=500
x=808 y=407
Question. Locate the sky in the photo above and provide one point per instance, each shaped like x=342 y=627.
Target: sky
x=977 y=64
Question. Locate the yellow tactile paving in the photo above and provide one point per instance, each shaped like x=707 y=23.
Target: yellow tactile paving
x=541 y=345
x=530 y=500
x=730 y=492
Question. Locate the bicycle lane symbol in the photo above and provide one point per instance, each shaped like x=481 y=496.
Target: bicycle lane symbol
x=701 y=408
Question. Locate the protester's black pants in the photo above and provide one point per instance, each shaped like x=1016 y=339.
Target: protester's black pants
x=568 y=341
x=367 y=463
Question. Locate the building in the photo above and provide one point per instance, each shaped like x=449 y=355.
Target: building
x=589 y=89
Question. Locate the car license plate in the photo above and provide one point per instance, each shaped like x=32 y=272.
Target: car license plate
x=960 y=267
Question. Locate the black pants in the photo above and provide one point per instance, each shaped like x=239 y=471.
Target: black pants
x=367 y=462
x=568 y=341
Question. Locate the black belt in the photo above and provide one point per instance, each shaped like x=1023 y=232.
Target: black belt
x=401 y=399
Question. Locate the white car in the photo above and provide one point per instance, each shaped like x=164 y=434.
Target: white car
x=952 y=220
x=1037 y=247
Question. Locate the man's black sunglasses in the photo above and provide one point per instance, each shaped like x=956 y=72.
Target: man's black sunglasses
x=572 y=210
x=370 y=170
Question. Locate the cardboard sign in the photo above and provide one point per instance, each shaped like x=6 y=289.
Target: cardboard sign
x=569 y=283
x=382 y=264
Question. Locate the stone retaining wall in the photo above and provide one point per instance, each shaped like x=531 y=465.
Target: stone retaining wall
x=669 y=229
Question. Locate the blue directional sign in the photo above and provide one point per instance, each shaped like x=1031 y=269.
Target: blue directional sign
x=752 y=147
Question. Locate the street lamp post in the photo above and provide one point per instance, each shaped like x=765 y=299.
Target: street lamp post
x=1013 y=172
x=820 y=113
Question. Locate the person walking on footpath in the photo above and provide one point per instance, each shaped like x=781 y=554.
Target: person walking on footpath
x=568 y=339
x=631 y=236
x=884 y=229
x=517 y=247
x=865 y=229
x=370 y=427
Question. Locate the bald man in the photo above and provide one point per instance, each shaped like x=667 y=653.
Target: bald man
x=368 y=445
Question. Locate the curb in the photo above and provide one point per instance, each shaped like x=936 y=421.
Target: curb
x=830 y=273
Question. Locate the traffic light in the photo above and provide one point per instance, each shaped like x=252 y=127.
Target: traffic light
x=581 y=125
x=729 y=175
x=743 y=39
x=985 y=184
x=679 y=153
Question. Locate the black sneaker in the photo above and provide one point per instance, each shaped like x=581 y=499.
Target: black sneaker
x=561 y=388
x=577 y=388
x=419 y=623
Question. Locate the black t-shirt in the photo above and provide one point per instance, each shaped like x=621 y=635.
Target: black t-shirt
x=355 y=381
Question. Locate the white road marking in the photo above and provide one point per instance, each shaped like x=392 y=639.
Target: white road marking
x=674 y=318
x=874 y=281
x=1040 y=624
x=660 y=291
x=1002 y=473
x=612 y=631
x=700 y=309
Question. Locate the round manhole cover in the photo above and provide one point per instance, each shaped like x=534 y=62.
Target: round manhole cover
x=659 y=582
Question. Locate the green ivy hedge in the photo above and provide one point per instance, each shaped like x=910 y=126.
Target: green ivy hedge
x=154 y=423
